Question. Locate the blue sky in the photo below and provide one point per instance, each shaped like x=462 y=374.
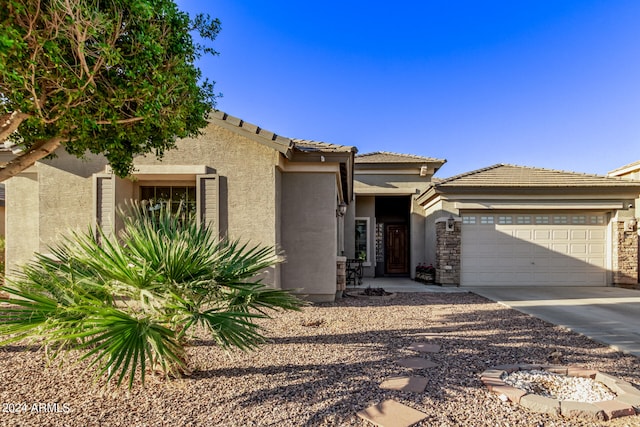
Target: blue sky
x=553 y=84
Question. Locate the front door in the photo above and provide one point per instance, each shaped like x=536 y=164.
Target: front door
x=396 y=253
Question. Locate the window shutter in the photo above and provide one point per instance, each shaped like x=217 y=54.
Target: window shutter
x=104 y=204
x=207 y=211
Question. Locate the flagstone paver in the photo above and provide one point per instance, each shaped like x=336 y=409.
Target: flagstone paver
x=410 y=384
x=416 y=363
x=424 y=347
x=392 y=414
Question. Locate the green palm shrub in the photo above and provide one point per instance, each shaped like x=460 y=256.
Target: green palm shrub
x=132 y=302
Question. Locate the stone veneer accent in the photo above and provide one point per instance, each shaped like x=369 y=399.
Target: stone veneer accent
x=448 y=254
x=625 y=256
x=626 y=403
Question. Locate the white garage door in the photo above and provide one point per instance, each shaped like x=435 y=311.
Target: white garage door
x=534 y=249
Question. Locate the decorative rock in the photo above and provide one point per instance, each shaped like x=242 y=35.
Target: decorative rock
x=570 y=391
x=409 y=384
x=392 y=414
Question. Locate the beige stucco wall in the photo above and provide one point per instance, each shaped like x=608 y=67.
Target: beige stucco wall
x=247 y=180
x=58 y=197
x=66 y=195
x=309 y=234
x=22 y=234
x=389 y=184
x=417 y=251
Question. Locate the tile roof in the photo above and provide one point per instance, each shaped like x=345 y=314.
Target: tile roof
x=324 y=147
x=388 y=157
x=255 y=131
x=634 y=165
x=282 y=142
x=503 y=175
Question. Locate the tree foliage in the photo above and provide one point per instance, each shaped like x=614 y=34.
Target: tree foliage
x=131 y=303
x=115 y=77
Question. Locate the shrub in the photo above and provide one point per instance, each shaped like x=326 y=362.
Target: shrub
x=130 y=303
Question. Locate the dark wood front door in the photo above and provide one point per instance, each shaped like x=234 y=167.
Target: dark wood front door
x=396 y=252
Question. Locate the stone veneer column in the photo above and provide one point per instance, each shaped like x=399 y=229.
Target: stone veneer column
x=448 y=253
x=625 y=256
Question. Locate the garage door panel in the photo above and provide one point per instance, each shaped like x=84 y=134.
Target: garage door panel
x=553 y=250
x=579 y=234
x=561 y=248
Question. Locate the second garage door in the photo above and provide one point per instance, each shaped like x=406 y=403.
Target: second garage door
x=534 y=249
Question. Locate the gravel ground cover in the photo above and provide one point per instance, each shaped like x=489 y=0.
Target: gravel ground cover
x=321 y=366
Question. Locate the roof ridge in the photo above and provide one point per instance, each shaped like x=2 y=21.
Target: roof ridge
x=473 y=172
x=592 y=175
x=532 y=168
x=364 y=156
x=394 y=154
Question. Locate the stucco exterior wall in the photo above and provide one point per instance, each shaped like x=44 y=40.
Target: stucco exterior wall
x=389 y=184
x=417 y=251
x=22 y=234
x=350 y=231
x=66 y=195
x=309 y=234
x=247 y=173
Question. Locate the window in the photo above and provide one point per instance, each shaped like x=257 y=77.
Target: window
x=599 y=219
x=486 y=220
x=560 y=219
x=362 y=240
x=523 y=219
x=505 y=220
x=180 y=199
x=542 y=219
x=579 y=219
x=468 y=219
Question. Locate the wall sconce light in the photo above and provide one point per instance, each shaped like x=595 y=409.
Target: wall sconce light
x=450 y=223
x=342 y=209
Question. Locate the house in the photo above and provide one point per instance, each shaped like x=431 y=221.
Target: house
x=247 y=182
x=513 y=225
x=322 y=203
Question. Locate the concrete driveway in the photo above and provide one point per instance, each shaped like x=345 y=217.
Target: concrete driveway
x=607 y=315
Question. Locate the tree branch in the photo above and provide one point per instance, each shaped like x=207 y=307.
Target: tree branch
x=39 y=150
x=10 y=122
x=121 y=121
